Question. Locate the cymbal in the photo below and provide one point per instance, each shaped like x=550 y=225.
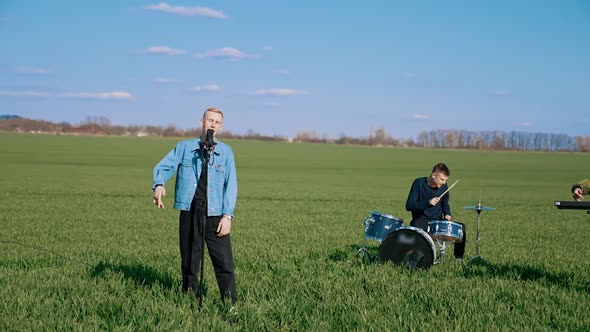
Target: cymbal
x=479 y=208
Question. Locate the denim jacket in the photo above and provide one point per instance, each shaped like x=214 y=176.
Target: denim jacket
x=187 y=160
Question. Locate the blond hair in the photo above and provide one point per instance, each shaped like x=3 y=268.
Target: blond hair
x=213 y=110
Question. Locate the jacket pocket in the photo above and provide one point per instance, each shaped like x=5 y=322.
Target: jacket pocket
x=219 y=175
x=186 y=179
x=187 y=163
x=186 y=170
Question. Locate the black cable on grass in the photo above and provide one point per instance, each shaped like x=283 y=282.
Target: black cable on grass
x=46 y=250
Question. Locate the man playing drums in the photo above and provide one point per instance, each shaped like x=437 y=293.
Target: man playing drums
x=428 y=200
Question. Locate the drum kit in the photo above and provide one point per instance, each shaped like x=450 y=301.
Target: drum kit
x=412 y=246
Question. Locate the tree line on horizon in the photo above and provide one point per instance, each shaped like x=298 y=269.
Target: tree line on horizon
x=439 y=138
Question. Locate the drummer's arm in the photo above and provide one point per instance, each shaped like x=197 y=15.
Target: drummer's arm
x=413 y=203
x=446 y=208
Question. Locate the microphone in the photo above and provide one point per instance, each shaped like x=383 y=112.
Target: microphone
x=209 y=143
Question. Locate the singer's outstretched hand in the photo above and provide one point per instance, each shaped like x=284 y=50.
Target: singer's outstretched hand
x=157 y=199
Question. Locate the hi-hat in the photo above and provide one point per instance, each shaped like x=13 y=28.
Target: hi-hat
x=479 y=208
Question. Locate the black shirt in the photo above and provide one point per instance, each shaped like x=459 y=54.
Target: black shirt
x=202 y=185
x=418 y=198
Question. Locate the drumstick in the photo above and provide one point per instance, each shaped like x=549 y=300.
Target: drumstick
x=446 y=191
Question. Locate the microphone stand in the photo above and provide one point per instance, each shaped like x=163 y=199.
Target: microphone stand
x=207 y=149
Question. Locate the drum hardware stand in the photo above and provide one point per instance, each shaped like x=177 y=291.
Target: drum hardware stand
x=443 y=246
x=478 y=208
x=363 y=250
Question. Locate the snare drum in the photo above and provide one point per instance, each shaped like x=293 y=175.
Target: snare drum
x=446 y=231
x=408 y=246
x=379 y=225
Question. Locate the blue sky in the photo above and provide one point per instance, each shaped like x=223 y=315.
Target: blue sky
x=278 y=67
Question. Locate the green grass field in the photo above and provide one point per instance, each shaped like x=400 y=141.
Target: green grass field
x=83 y=248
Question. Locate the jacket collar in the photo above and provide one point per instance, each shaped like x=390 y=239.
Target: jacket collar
x=197 y=146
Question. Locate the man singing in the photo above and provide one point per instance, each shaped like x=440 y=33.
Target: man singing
x=187 y=160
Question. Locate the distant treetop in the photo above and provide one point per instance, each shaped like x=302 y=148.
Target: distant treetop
x=9 y=116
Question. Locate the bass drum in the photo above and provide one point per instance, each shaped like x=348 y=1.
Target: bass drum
x=409 y=246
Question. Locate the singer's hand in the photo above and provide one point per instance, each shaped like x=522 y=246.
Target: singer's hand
x=224 y=227
x=157 y=199
x=434 y=201
x=449 y=218
x=577 y=194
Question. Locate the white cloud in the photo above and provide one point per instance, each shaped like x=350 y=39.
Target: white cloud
x=280 y=72
x=225 y=52
x=267 y=48
x=39 y=94
x=186 y=11
x=32 y=71
x=279 y=92
x=209 y=87
x=502 y=93
x=421 y=117
x=164 y=50
x=114 y=95
x=163 y=80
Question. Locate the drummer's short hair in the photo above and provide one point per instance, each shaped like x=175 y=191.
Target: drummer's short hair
x=442 y=168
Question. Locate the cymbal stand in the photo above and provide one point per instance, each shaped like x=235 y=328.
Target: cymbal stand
x=478 y=208
x=477 y=238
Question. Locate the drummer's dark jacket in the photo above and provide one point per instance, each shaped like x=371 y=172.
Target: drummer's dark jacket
x=418 y=198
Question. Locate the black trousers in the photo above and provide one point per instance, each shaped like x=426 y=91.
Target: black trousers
x=219 y=249
x=459 y=247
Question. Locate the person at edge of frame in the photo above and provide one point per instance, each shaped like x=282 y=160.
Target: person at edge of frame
x=187 y=160
x=426 y=205
x=581 y=189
